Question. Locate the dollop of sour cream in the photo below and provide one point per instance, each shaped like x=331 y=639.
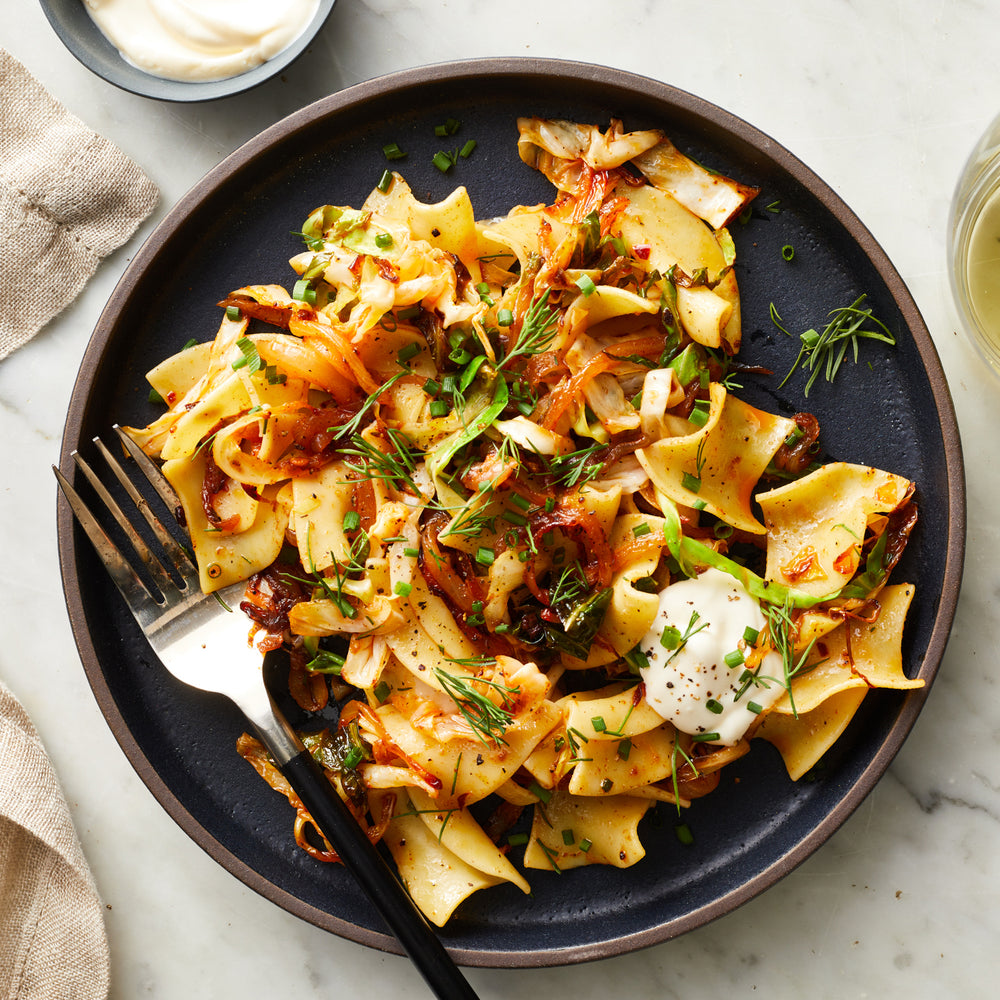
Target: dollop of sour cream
x=198 y=40
x=690 y=684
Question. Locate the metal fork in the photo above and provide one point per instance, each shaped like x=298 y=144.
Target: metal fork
x=203 y=643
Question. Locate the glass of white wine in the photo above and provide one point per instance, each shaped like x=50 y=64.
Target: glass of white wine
x=974 y=245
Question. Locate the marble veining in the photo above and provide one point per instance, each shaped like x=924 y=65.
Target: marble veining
x=884 y=101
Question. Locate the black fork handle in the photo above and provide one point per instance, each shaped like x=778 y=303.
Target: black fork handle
x=376 y=878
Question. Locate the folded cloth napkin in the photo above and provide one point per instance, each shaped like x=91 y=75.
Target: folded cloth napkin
x=52 y=940
x=68 y=197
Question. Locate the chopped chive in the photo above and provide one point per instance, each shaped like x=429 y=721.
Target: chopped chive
x=598 y=724
x=403 y=589
x=432 y=387
x=353 y=757
x=624 y=748
x=352 y=521
x=704 y=737
x=304 y=292
x=524 y=555
x=155 y=397
x=692 y=483
x=788 y=252
x=606 y=785
x=699 y=415
x=385 y=181
x=250 y=358
x=585 y=845
x=484 y=556
x=406 y=353
x=504 y=317
x=383 y=241
x=542 y=793
x=381 y=691
x=502 y=629
x=466 y=151
x=714 y=706
x=684 y=834
x=460 y=356
x=550 y=504
x=699 y=504
x=443 y=162
x=189 y=344
x=671 y=637
x=411 y=553
x=325 y=662
x=393 y=152
x=586 y=284
x=438 y=408
x=519 y=501
x=234 y=313
x=637 y=659
x=517 y=839
x=274 y=377
x=477 y=607
x=641 y=529
x=723 y=530
x=734 y=658
x=750 y=635
x=752 y=706
x=568 y=838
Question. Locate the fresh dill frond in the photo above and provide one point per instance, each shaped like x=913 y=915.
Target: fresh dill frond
x=576 y=467
x=395 y=468
x=488 y=720
x=537 y=331
x=354 y=424
x=825 y=351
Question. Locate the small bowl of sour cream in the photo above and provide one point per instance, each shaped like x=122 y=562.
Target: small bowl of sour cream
x=186 y=50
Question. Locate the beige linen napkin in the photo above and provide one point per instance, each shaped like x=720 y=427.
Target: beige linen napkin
x=52 y=940
x=68 y=197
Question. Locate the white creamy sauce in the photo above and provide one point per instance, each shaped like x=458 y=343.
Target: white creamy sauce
x=201 y=39
x=686 y=683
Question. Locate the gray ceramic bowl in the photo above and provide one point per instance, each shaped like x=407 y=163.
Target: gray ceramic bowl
x=78 y=32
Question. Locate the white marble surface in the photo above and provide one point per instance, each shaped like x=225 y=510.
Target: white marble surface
x=883 y=100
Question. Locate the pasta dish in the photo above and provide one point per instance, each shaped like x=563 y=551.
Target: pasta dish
x=491 y=486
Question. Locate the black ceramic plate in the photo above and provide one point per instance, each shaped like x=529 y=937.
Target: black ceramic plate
x=236 y=227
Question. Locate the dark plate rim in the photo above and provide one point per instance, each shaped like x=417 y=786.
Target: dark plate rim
x=497 y=70
x=81 y=36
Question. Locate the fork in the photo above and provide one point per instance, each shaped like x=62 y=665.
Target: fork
x=204 y=644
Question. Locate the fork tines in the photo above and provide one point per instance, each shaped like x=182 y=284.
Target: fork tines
x=129 y=582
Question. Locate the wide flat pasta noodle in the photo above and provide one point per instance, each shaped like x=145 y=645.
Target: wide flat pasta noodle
x=437 y=879
x=225 y=559
x=802 y=741
x=600 y=831
x=723 y=459
x=816 y=524
x=857 y=654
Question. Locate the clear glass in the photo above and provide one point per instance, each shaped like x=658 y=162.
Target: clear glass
x=974 y=246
